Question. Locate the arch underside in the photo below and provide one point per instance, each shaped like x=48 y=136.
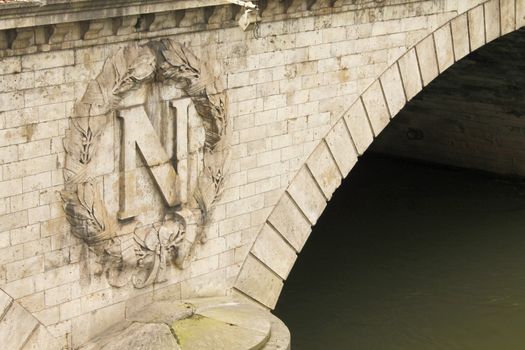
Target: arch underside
x=287 y=228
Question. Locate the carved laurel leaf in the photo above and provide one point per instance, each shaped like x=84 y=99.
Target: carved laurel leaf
x=73 y=146
x=213 y=118
x=210 y=184
x=90 y=200
x=93 y=94
x=176 y=55
x=140 y=69
x=73 y=206
x=100 y=213
x=86 y=195
x=143 y=67
x=180 y=68
x=79 y=217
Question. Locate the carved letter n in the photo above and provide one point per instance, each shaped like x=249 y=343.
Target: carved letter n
x=139 y=135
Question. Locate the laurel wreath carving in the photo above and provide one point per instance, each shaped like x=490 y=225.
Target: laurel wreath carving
x=164 y=61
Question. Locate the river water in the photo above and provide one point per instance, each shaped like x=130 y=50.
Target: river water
x=410 y=256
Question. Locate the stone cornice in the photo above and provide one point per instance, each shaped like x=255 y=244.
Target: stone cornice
x=30 y=26
x=38 y=13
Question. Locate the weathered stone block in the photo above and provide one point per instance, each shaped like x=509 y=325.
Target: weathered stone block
x=324 y=169
x=376 y=108
x=34 y=149
x=46 y=77
x=520 y=13
x=48 y=60
x=426 y=54
x=60 y=330
x=204 y=266
x=306 y=193
x=26 y=233
x=11 y=100
x=70 y=309
x=49 y=94
x=33 y=303
x=274 y=251
x=5 y=302
x=48 y=316
x=13 y=220
x=20 y=288
x=409 y=68
x=89 y=325
x=4 y=240
x=41 y=339
x=393 y=89
x=244 y=205
x=39 y=214
x=492 y=20
x=460 y=36
x=256 y=280
x=10 y=65
x=27 y=167
x=359 y=126
x=8 y=154
x=16 y=327
x=36 y=182
x=342 y=147
x=310 y=38
x=15 y=82
x=10 y=187
x=290 y=222
x=444 y=47
x=508 y=16
x=37 y=247
x=210 y=284
x=58 y=295
x=24 y=268
x=56 y=277
x=476 y=27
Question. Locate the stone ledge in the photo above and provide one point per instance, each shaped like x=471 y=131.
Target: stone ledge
x=37 y=13
x=228 y=323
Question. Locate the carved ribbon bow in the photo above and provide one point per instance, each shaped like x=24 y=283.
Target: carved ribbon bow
x=157 y=244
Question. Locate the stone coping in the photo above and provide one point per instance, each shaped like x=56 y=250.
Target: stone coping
x=20 y=14
x=217 y=323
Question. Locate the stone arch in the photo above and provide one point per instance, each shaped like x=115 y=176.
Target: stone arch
x=19 y=329
x=288 y=226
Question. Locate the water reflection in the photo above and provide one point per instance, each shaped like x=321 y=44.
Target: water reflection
x=409 y=256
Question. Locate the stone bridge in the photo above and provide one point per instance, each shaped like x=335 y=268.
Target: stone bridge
x=161 y=168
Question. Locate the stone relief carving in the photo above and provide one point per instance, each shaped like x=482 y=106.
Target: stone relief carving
x=190 y=181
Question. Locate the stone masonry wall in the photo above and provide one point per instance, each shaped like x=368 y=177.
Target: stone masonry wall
x=284 y=90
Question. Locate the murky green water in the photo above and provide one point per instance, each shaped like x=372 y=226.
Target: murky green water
x=412 y=257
